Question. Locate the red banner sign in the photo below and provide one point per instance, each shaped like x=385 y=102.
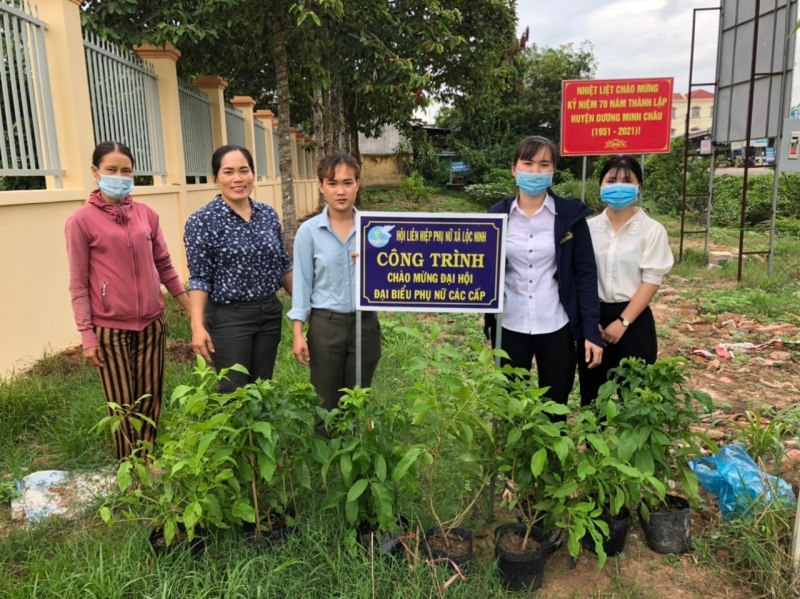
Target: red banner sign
x=616 y=116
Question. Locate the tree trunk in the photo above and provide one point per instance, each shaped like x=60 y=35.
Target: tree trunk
x=336 y=103
x=352 y=126
x=328 y=117
x=319 y=132
x=284 y=139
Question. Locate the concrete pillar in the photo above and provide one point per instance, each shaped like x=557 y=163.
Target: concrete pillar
x=245 y=105
x=163 y=61
x=69 y=89
x=265 y=116
x=214 y=85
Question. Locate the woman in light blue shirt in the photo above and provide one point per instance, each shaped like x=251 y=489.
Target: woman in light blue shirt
x=324 y=289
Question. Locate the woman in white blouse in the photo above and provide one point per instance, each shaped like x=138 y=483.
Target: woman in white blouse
x=633 y=255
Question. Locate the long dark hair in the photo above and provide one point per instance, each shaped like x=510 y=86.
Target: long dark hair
x=107 y=147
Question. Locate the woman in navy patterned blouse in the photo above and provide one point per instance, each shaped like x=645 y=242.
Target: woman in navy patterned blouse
x=237 y=261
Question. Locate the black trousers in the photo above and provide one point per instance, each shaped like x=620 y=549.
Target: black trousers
x=555 y=359
x=332 y=347
x=246 y=333
x=639 y=341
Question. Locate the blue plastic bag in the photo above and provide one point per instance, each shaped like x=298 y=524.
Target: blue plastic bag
x=739 y=483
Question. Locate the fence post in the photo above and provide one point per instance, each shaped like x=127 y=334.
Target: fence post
x=163 y=61
x=266 y=116
x=69 y=89
x=278 y=182
x=214 y=85
x=245 y=104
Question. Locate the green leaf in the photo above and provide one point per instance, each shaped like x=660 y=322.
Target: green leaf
x=689 y=482
x=406 y=462
x=124 y=478
x=599 y=444
x=380 y=467
x=332 y=500
x=242 y=509
x=538 y=461
x=611 y=410
x=585 y=468
x=262 y=427
x=304 y=476
x=514 y=436
x=561 y=447
x=357 y=489
x=266 y=466
x=346 y=465
x=351 y=511
x=105 y=514
x=566 y=490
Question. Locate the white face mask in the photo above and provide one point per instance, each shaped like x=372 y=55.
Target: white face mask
x=116 y=187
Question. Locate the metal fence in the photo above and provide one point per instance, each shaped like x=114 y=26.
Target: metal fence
x=234 y=124
x=261 y=150
x=29 y=146
x=123 y=91
x=198 y=137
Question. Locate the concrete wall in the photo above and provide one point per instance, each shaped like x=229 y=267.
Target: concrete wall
x=35 y=310
x=380 y=171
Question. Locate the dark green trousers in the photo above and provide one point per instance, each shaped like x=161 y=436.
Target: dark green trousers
x=332 y=347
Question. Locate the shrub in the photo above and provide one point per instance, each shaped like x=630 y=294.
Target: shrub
x=415 y=190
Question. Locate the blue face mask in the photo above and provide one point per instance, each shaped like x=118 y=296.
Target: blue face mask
x=619 y=196
x=116 y=187
x=534 y=184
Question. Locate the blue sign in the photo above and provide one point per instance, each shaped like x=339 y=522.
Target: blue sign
x=423 y=262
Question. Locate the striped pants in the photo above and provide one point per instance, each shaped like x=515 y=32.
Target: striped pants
x=133 y=378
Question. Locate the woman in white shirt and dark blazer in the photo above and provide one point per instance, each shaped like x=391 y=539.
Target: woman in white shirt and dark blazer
x=551 y=310
x=632 y=254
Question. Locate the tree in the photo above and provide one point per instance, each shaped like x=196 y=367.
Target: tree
x=485 y=132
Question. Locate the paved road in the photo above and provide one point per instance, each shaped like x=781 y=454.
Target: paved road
x=753 y=170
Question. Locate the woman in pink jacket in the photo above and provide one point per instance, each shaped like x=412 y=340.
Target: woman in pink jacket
x=118 y=260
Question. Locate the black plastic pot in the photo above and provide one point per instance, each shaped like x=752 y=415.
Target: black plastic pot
x=273 y=538
x=618 y=527
x=669 y=531
x=384 y=543
x=197 y=545
x=459 y=560
x=521 y=572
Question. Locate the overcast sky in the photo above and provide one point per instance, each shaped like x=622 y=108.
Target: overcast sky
x=632 y=38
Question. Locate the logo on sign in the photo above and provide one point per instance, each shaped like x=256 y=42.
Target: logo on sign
x=378 y=236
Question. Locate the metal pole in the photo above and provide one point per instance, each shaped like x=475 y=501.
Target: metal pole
x=498 y=339
x=779 y=141
x=583 y=182
x=642 y=181
x=358 y=348
x=709 y=204
x=747 y=141
x=686 y=138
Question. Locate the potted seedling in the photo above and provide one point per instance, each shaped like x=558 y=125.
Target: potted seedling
x=184 y=489
x=598 y=515
x=273 y=427
x=368 y=446
x=653 y=415
x=532 y=450
x=450 y=401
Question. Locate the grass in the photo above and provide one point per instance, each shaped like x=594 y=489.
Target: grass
x=45 y=422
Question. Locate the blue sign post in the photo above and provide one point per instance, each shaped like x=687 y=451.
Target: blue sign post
x=423 y=262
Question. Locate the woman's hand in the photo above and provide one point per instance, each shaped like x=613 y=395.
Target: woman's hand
x=201 y=343
x=300 y=350
x=593 y=354
x=95 y=356
x=613 y=332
